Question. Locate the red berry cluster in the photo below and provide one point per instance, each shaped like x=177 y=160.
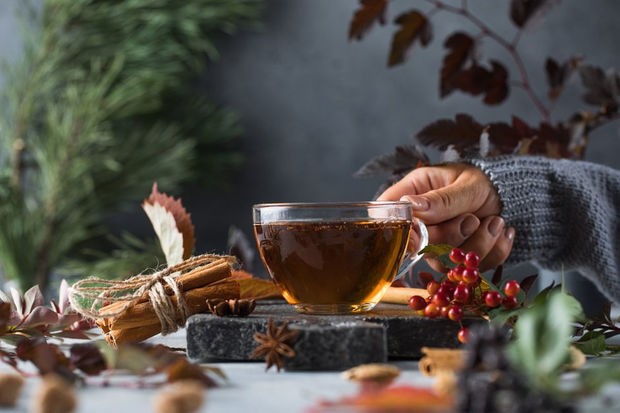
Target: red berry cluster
x=460 y=290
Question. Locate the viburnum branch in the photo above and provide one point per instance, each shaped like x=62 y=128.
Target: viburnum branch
x=509 y=46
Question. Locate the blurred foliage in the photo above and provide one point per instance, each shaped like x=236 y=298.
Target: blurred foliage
x=102 y=103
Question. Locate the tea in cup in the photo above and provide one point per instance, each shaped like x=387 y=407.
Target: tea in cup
x=337 y=258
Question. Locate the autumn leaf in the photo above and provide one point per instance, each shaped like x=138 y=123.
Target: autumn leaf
x=403 y=159
x=258 y=289
x=172 y=224
x=403 y=398
x=413 y=25
x=460 y=45
x=370 y=11
x=496 y=89
x=602 y=88
x=524 y=11
x=88 y=358
x=463 y=132
x=182 y=369
x=557 y=74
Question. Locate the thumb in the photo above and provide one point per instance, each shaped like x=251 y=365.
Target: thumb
x=443 y=204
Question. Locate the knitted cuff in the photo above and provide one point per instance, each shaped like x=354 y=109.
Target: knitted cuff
x=529 y=204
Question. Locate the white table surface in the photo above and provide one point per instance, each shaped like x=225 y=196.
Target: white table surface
x=249 y=389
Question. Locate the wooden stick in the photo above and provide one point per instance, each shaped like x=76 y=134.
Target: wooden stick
x=401 y=295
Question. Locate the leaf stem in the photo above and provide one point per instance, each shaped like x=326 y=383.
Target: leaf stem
x=511 y=48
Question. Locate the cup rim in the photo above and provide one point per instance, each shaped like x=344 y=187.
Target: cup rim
x=330 y=204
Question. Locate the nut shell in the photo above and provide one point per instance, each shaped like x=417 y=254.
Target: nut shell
x=374 y=372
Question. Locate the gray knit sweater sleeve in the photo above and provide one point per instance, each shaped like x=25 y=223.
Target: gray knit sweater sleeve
x=566 y=214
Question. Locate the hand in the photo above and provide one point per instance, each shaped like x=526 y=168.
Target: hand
x=460 y=207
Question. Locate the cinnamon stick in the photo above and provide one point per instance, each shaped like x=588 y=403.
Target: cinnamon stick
x=199 y=277
x=132 y=335
x=401 y=295
x=142 y=314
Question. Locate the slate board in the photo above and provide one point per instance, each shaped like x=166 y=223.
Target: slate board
x=325 y=342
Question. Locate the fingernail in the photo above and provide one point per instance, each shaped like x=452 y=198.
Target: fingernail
x=509 y=233
x=469 y=225
x=495 y=226
x=417 y=203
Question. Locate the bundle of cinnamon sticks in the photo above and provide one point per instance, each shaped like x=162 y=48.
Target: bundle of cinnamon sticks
x=139 y=320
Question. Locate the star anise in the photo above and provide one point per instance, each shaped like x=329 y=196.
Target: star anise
x=232 y=307
x=275 y=344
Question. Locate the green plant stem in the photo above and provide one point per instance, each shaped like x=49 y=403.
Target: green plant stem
x=511 y=48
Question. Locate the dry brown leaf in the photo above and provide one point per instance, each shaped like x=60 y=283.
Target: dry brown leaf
x=258 y=289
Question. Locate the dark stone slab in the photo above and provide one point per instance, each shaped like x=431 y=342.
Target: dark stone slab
x=325 y=342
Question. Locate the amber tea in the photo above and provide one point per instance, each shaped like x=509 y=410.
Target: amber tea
x=344 y=263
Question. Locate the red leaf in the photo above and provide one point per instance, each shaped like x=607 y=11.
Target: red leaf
x=474 y=80
x=558 y=74
x=496 y=89
x=601 y=88
x=522 y=128
x=462 y=132
x=413 y=25
x=402 y=398
x=88 y=358
x=523 y=11
x=460 y=45
x=48 y=358
x=528 y=282
x=364 y=17
x=5 y=314
x=504 y=138
x=181 y=217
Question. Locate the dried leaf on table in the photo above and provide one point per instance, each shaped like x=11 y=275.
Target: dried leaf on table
x=170 y=221
x=413 y=25
x=87 y=357
x=370 y=11
x=391 y=399
x=47 y=358
x=258 y=289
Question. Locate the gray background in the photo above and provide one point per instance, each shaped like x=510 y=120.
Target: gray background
x=315 y=107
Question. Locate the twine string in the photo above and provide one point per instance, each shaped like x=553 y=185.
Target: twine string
x=102 y=292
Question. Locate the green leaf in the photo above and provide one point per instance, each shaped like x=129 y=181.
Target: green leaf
x=440 y=252
x=598 y=374
x=543 y=337
x=592 y=343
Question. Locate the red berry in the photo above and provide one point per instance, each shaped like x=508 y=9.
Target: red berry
x=457 y=256
x=455 y=313
x=472 y=260
x=510 y=302
x=431 y=310
x=440 y=299
x=512 y=288
x=453 y=276
x=471 y=276
x=462 y=294
x=492 y=299
x=444 y=312
x=432 y=287
x=463 y=335
x=417 y=302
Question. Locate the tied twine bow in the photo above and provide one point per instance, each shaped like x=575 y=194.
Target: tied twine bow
x=92 y=295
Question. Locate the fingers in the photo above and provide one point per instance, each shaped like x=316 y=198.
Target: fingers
x=441 y=194
x=455 y=231
x=492 y=242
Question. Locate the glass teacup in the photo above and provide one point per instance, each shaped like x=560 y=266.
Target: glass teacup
x=337 y=258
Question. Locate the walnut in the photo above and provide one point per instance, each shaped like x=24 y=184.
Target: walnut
x=54 y=395
x=10 y=388
x=185 y=396
x=374 y=372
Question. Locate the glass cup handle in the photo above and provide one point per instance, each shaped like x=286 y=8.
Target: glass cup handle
x=411 y=258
